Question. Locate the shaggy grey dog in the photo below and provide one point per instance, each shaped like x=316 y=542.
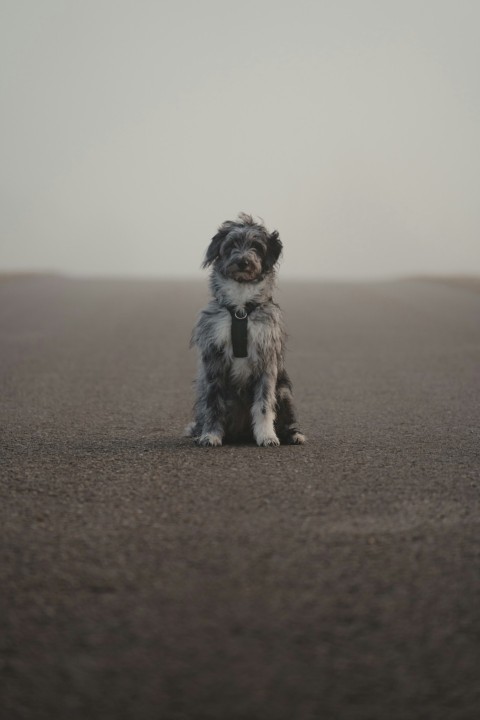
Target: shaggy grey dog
x=243 y=390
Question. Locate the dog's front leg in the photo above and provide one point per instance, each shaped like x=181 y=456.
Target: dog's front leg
x=263 y=409
x=213 y=400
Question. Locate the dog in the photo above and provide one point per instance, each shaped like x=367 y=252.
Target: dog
x=243 y=392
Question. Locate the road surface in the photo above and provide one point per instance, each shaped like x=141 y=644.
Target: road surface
x=145 y=578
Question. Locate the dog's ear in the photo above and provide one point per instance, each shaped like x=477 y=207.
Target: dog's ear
x=213 y=249
x=274 y=250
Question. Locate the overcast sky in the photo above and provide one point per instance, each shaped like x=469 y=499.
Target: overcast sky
x=130 y=129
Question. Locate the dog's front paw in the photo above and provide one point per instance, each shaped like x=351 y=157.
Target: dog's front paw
x=268 y=441
x=209 y=440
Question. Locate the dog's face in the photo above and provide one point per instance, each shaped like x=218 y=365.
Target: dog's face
x=243 y=250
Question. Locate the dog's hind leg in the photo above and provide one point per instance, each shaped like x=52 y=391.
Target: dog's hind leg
x=193 y=429
x=286 y=422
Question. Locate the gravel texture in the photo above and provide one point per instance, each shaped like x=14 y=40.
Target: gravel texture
x=144 y=578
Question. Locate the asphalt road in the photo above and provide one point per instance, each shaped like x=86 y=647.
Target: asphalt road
x=145 y=578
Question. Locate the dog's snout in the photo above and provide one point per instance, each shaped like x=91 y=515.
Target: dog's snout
x=241 y=265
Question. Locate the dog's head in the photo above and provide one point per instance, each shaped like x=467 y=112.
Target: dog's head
x=243 y=250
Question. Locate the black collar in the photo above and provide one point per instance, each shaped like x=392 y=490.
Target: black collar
x=241 y=313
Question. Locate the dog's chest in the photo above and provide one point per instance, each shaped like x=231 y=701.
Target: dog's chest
x=241 y=370
x=258 y=334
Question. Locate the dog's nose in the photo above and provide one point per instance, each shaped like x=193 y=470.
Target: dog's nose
x=242 y=264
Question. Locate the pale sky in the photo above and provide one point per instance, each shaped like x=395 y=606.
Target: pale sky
x=129 y=130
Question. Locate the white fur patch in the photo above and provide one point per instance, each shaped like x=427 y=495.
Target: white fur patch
x=241 y=370
x=258 y=336
x=267 y=440
x=263 y=429
x=239 y=294
x=222 y=330
x=189 y=430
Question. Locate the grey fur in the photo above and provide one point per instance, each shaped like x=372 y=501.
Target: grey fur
x=243 y=398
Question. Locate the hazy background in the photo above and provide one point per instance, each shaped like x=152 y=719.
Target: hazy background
x=130 y=130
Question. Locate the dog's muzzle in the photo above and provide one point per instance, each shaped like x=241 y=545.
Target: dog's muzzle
x=242 y=270
x=240 y=265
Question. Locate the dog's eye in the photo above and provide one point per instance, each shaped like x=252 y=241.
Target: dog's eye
x=257 y=246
